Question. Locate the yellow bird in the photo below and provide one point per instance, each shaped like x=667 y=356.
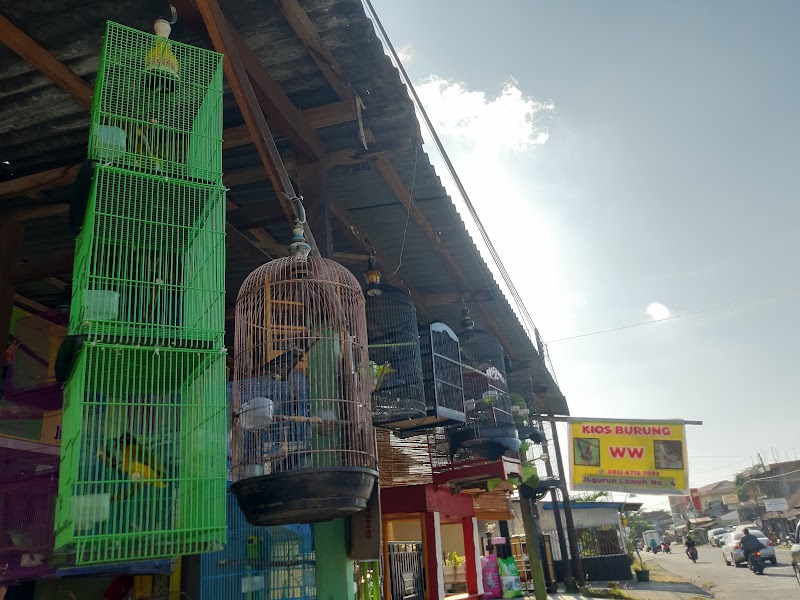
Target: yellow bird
x=379 y=372
x=135 y=462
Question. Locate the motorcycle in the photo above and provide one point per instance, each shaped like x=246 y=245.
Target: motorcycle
x=692 y=552
x=756 y=563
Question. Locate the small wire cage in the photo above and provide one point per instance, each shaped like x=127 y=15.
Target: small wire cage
x=441 y=368
x=303 y=444
x=143 y=462
x=490 y=430
x=30 y=374
x=260 y=563
x=150 y=262
x=28 y=487
x=398 y=391
x=157 y=107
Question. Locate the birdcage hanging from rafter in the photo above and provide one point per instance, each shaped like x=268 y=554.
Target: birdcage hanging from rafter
x=157 y=107
x=490 y=429
x=398 y=391
x=303 y=444
x=441 y=372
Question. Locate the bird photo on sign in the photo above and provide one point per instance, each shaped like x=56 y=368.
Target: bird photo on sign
x=587 y=452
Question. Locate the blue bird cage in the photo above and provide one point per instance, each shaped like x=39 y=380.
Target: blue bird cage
x=260 y=563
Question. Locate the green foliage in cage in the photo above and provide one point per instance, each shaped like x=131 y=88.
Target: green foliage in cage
x=143 y=464
x=157 y=107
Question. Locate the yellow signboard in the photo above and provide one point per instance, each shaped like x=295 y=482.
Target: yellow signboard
x=647 y=457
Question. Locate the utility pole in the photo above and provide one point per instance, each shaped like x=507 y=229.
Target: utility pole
x=562 y=540
x=572 y=534
x=532 y=543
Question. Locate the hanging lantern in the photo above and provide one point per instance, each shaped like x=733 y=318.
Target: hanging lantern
x=303 y=446
x=398 y=394
x=490 y=430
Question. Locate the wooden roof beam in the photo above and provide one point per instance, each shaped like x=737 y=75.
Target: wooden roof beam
x=311 y=39
x=44 y=62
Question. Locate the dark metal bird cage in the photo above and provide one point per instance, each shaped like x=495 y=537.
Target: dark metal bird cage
x=303 y=445
x=441 y=371
x=28 y=489
x=490 y=430
x=398 y=391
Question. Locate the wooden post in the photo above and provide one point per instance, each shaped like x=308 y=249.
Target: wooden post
x=432 y=554
x=532 y=545
x=572 y=534
x=11 y=234
x=472 y=552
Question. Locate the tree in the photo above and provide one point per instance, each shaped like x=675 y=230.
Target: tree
x=741 y=480
x=638 y=525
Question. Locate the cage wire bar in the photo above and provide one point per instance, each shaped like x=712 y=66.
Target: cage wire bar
x=398 y=392
x=143 y=466
x=260 y=563
x=490 y=429
x=28 y=488
x=157 y=107
x=303 y=444
x=441 y=372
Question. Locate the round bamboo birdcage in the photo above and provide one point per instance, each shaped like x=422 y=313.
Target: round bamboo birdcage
x=303 y=445
x=398 y=390
x=490 y=430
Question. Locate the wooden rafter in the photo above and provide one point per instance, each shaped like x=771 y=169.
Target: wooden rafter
x=18 y=41
x=237 y=77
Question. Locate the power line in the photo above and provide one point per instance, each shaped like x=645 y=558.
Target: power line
x=689 y=314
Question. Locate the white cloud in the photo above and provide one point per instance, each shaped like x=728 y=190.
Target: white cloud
x=481 y=132
x=657 y=311
x=406 y=53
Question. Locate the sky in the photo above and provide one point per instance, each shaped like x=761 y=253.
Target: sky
x=634 y=161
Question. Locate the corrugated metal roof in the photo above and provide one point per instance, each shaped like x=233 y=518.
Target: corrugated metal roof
x=41 y=127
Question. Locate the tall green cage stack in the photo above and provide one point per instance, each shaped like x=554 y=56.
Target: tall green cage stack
x=143 y=454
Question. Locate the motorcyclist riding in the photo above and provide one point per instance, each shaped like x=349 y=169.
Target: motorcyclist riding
x=689 y=544
x=749 y=544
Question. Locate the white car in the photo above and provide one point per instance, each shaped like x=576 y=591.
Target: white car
x=715 y=536
x=732 y=552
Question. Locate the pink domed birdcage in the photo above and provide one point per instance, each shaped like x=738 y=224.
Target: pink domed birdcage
x=303 y=445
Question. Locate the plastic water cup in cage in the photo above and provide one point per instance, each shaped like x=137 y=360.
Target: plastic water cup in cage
x=30 y=560
x=469 y=404
x=89 y=510
x=253 y=584
x=489 y=397
x=110 y=141
x=256 y=413
x=252 y=471
x=100 y=305
x=327 y=420
x=309 y=579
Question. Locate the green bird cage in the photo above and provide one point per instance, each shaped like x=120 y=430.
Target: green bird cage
x=143 y=457
x=150 y=262
x=143 y=463
x=157 y=107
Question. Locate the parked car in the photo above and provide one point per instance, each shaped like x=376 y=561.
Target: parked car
x=795 y=550
x=732 y=552
x=715 y=536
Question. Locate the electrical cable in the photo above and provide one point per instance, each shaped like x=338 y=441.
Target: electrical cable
x=528 y=324
x=689 y=314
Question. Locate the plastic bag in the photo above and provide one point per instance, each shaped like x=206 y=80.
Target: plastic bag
x=492 y=588
x=509 y=577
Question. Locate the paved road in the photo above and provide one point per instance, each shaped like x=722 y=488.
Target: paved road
x=729 y=583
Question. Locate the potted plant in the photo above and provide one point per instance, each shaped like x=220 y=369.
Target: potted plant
x=642 y=574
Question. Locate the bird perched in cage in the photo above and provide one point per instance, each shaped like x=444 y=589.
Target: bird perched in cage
x=254 y=551
x=135 y=461
x=282 y=365
x=378 y=373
